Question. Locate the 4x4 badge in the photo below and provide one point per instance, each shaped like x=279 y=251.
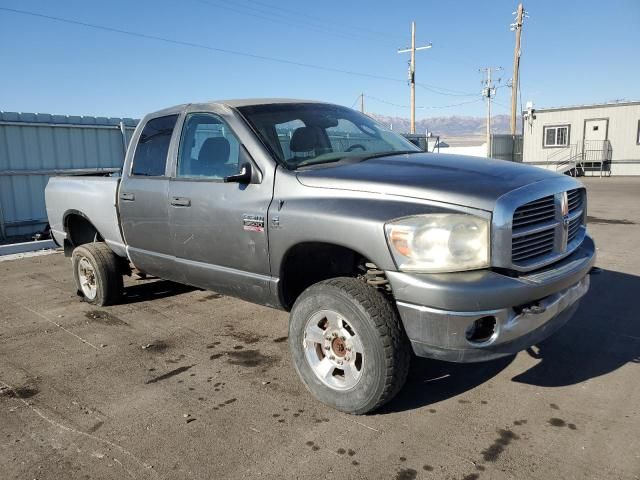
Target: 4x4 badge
x=253 y=223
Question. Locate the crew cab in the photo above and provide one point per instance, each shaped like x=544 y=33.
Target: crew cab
x=378 y=250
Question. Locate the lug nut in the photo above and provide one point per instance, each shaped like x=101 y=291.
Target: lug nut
x=335 y=334
x=343 y=338
x=327 y=348
x=332 y=357
x=339 y=362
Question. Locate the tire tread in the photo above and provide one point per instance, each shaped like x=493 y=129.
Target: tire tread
x=107 y=264
x=382 y=312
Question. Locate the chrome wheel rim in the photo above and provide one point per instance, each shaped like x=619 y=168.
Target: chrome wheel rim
x=87 y=276
x=333 y=350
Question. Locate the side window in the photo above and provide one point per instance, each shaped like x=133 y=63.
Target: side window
x=150 y=158
x=208 y=148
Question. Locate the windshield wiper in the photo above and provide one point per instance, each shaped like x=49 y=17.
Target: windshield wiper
x=387 y=154
x=313 y=161
x=355 y=158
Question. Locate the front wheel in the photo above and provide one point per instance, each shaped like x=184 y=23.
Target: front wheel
x=348 y=345
x=97 y=274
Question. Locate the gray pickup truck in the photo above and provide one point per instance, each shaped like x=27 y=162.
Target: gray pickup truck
x=378 y=250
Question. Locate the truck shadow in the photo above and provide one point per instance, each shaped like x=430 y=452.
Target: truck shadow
x=153 y=290
x=603 y=336
x=432 y=381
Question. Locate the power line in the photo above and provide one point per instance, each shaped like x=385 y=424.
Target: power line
x=317 y=20
x=447 y=92
x=386 y=102
x=199 y=45
x=457 y=104
x=278 y=18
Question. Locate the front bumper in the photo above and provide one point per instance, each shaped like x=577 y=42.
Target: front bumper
x=438 y=310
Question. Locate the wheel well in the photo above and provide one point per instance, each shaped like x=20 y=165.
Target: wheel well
x=311 y=262
x=80 y=230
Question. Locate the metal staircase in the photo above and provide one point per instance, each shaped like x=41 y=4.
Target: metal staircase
x=591 y=157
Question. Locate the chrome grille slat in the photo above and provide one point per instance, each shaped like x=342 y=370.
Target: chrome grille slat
x=533 y=253
x=528 y=210
x=536 y=242
x=522 y=221
x=537 y=226
x=529 y=230
x=524 y=241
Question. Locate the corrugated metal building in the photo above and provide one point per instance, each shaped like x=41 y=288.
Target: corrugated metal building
x=35 y=146
x=601 y=139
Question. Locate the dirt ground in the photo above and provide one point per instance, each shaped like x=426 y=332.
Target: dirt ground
x=178 y=383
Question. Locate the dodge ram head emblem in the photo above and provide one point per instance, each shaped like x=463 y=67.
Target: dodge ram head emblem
x=564 y=207
x=564 y=225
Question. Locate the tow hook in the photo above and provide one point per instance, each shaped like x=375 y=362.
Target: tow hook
x=534 y=309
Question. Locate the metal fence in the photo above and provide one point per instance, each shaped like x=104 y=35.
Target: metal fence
x=34 y=146
x=506 y=147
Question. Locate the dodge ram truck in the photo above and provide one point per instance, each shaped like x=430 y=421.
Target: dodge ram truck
x=378 y=250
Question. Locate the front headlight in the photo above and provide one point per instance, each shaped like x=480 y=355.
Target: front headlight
x=439 y=242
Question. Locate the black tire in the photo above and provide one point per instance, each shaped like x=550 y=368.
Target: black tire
x=371 y=315
x=108 y=278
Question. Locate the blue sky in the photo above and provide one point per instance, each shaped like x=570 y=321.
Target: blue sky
x=573 y=52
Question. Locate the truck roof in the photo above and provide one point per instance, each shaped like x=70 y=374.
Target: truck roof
x=234 y=102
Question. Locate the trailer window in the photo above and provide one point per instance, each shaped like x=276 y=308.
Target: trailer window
x=556 y=136
x=150 y=159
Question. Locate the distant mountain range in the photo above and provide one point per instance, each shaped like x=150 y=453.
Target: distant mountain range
x=448 y=126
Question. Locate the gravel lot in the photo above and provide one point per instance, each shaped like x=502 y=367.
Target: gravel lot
x=179 y=383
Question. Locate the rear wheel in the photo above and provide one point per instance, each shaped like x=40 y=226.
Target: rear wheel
x=97 y=273
x=348 y=345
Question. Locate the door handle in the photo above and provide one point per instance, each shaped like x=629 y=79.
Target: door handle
x=180 y=202
x=129 y=197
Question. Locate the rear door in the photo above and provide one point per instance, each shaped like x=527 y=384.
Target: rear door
x=218 y=229
x=143 y=199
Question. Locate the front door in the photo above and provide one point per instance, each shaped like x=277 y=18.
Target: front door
x=595 y=136
x=218 y=229
x=142 y=200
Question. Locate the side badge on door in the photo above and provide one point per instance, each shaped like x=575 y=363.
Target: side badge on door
x=253 y=223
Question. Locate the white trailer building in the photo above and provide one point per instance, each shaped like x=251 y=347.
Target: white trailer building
x=599 y=139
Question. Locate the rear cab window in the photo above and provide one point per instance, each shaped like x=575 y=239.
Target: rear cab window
x=150 y=159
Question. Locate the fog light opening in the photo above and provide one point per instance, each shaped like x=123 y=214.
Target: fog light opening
x=481 y=330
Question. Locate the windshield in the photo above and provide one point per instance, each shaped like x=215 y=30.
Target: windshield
x=302 y=134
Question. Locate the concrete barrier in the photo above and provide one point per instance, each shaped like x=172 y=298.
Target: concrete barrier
x=14 y=248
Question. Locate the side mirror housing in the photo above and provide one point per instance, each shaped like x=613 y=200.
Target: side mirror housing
x=244 y=176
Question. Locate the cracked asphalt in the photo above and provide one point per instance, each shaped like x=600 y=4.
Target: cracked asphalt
x=177 y=383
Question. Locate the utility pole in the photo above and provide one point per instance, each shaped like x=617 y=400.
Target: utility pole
x=362 y=103
x=412 y=72
x=516 y=27
x=488 y=92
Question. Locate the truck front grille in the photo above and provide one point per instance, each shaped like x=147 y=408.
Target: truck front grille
x=547 y=227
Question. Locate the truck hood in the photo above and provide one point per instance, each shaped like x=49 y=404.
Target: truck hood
x=461 y=180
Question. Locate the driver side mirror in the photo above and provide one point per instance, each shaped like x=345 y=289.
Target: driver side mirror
x=244 y=176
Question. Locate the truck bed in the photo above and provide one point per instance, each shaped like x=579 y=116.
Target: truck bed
x=93 y=197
